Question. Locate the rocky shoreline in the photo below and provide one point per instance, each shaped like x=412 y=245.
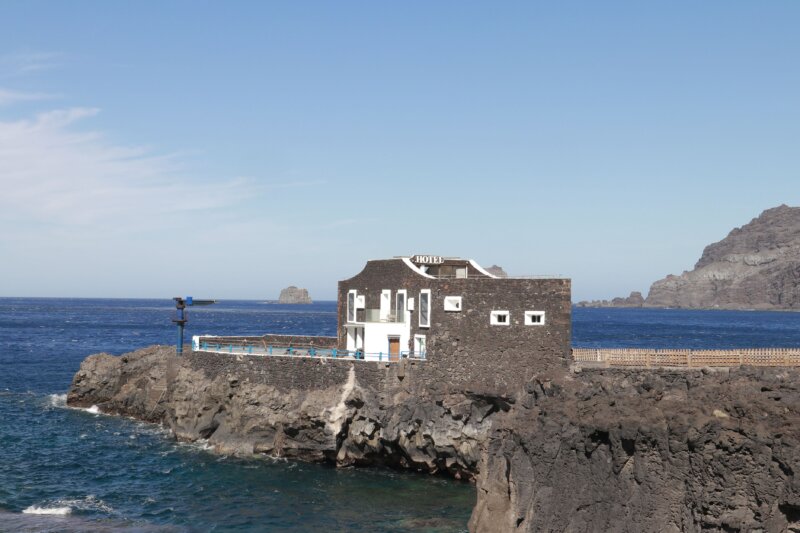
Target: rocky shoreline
x=610 y=450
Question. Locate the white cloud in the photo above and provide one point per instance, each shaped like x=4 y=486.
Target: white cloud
x=54 y=173
x=8 y=97
x=24 y=62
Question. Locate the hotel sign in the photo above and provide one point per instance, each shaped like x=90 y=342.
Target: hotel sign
x=427 y=259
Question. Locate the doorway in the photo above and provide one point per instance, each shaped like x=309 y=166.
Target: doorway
x=394 y=348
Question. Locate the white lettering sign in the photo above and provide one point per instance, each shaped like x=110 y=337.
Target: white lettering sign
x=428 y=259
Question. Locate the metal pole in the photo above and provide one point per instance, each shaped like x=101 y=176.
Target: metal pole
x=181 y=322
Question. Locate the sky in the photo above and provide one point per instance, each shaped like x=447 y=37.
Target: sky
x=230 y=149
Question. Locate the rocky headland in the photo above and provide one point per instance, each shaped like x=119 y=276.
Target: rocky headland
x=572 y=450
x=294 y=295
x=634 y=300
x=757 y=266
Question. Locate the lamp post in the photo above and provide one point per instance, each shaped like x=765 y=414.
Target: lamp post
x=181 y=304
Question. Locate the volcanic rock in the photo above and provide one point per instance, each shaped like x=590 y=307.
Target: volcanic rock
x=596 y=450
x=294 y=295
x=634 y=300
x=756 y=266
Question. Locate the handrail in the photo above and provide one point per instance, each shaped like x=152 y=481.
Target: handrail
x=647 y=357
x=247 y=347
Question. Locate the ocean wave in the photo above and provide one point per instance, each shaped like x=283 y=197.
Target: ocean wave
x=58 y=400
x=66 y=506
x=35 y=509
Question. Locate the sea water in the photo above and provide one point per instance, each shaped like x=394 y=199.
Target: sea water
x=65 y=469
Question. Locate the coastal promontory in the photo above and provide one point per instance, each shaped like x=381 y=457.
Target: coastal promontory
x=757 y=266
x=602 y=450
x=294 y=295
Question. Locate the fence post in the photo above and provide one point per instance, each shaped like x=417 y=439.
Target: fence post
x=689 y=359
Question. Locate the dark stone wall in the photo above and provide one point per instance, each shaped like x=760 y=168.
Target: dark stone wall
x=464 y=350
x=279 y=340
x=290 y=373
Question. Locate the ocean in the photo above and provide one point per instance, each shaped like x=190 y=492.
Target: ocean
x=65 y=469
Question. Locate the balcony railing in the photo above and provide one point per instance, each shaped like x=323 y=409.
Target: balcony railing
x=243 y=346
x=374 y=315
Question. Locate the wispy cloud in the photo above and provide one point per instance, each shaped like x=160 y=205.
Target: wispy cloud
x=8 y=97
x=55 y=173
x=29 y=61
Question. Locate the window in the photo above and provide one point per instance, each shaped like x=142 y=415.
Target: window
x=452 y=303
x=419 y=346
x=351 y=306
x=400 y=306
x=534 y=318
x=425 y=308
x=500 y=318
x=386 y=304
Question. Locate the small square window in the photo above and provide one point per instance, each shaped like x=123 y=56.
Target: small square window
x=452 y=303
x=500 y=318
x=534 y=318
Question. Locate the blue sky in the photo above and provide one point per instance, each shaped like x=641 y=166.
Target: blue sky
x=150 y=149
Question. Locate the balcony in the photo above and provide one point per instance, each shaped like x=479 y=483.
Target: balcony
x=374 y=315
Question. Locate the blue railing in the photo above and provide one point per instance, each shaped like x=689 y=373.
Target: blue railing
x=304 y=351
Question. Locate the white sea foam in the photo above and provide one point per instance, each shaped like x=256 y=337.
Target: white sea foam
x=35 y=509
x=93 y=409
x=58 y=400
x=66 y=506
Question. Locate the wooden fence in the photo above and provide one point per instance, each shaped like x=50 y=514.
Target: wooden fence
x=637 y=357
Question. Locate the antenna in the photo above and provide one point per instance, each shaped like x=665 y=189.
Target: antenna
x=181 y=304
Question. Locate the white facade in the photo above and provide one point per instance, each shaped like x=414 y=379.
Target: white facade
x=385 y=331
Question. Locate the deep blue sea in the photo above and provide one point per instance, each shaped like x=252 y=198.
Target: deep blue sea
x=65 y=469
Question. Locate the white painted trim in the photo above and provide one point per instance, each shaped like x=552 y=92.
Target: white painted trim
x=482 y=270
x=416 y=269
x=354 y=308
x=453 y=303
x=430 y=308
x=404 y=292
x=416 y=343
x=493 y=318
x=529 y=314
x=385 y=307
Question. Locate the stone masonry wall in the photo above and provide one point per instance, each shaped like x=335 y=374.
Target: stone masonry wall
x=290 y=373
x=464 y=350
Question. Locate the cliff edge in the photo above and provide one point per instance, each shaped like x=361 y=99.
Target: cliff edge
x=756 y=266
x=601 y=450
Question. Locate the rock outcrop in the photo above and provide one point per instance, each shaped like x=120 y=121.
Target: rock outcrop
x=294 y=295
x=647 y=451
x=599 y=450
x=634 y=300
x=240 y=408
x=497 y=271
x=756 y=266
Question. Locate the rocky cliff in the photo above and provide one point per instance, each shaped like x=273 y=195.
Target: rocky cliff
x=348 y=413
x=600 y=450
x=647 y=451
x=294 y=295
x=756 y=266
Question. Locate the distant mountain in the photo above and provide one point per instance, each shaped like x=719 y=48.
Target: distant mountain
x=634 y=300
x=294 y=295
x=756 y=266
